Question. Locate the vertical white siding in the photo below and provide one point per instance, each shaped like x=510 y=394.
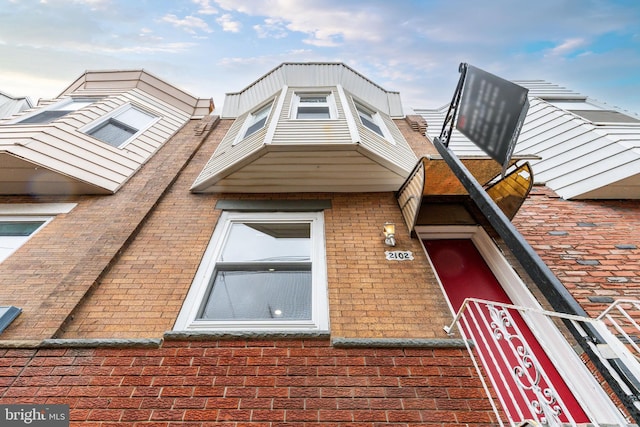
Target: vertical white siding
x=312 y=75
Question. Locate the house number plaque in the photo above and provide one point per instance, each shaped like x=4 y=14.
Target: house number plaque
x=399 y=255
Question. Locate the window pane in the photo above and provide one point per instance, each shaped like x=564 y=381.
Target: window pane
x=13 y=234
x=113 y=132
x=255 y=242
x=313 y=113
x=374 y=127
x=45 y=116
x=60 y=111
x=259 y=295
x=135 y=118
x=255 y=127
x=19 y=228
x=313 y=98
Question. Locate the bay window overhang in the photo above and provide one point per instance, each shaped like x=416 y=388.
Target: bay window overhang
x=326 y=129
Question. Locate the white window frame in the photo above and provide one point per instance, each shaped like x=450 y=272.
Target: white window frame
x=15 y=219
x=65 y=105
x=252 y=118
x=187 y=319
x=373 y=117
x=29 y=212
x=329 y=104
x=154 y=118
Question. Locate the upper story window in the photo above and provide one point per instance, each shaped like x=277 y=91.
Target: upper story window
x=369 y=118
x=56 y=111
x=257 y=120
x=313 y=106
x=122 y=126
x=15 y=231
x=262 y=270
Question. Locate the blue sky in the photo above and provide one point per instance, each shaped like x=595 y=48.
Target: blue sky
x=210 y=47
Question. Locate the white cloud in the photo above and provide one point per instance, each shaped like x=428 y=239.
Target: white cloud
x=228 y=24
x=412 y=46
x=189 y=23
x=272 y=28
x=567 y=47
x=324 y=23
x=205 y=7
x=93 y=4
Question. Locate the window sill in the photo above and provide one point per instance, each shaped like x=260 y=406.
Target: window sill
x=265 y=334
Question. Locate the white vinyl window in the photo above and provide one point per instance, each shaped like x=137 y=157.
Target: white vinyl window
x=56 y=111
x=262 y=270
x=122 y=126
x=15 y=231
x=372 y=120
x=257 y=120
x=313 y=106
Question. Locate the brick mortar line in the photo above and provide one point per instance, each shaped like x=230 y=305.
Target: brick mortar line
x=340 y=342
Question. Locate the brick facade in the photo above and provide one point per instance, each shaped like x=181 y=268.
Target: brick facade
x=124 y=270
x=119 y=267
x=64 y=262
x=592 y=246
x=154 y=232
x=240 y=382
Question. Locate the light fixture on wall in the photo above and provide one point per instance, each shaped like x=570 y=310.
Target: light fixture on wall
x=389 y=231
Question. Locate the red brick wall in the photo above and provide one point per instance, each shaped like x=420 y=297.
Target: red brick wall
x=236 y=382
x=577 y=239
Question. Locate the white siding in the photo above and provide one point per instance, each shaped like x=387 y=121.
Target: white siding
x=310 y=132
x=396 y=154
x=10 y=106
x=63 y=149
x=310 y=171
x=311 y=75
x=308 y=155
x=119 y=81
x=229 y=157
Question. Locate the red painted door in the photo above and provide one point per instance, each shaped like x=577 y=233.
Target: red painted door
x=464 y=274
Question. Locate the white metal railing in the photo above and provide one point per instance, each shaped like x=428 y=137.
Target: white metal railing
x=507 y=351
x=618 y=319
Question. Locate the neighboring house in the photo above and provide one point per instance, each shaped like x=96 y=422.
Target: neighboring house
x=94 y=136
x=171 y=267
x=10 y=105
x=586 y=149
